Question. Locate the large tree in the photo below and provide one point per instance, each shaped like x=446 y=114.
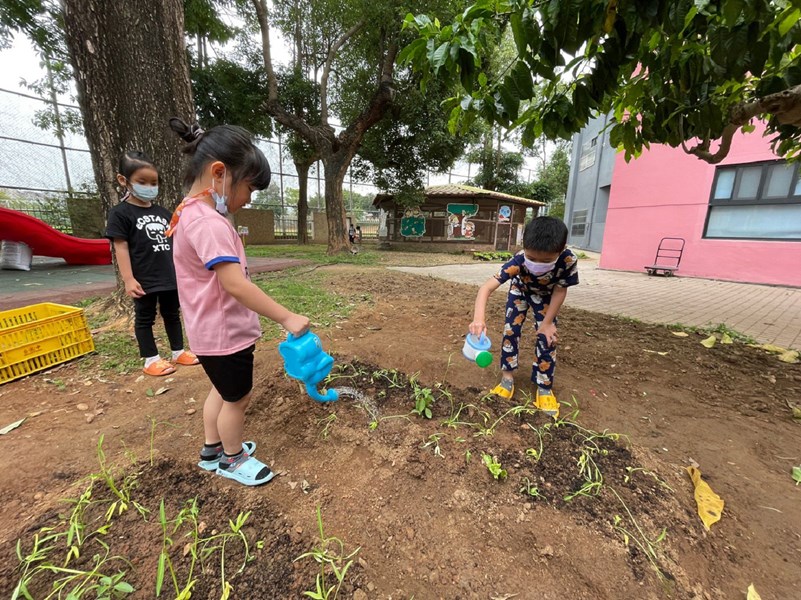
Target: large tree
x=131 y=73
x=353 y=62
x=677 y=72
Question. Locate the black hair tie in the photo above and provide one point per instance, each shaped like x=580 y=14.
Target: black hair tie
x=196 y=131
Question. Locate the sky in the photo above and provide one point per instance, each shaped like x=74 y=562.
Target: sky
x=21 y=62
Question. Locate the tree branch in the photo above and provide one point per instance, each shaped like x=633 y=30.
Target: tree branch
x=784 y=105
x=264 y=25
x=327 y=69
x=353 y=135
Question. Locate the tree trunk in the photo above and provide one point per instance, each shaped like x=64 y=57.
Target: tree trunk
x=131 y=75
x=335 y=166
x=303 y=200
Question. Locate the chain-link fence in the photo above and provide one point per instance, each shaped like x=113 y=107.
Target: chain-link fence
x=41 y=169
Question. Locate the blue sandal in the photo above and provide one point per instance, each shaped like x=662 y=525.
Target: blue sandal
x=212 y=463
x=247 y=471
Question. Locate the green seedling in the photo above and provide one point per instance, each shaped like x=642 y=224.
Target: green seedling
x=631 y=470
x=329 y=553
x=648 y=546
x=391 y=376
x=433 y=441
x=122 y=490
x=326 y=423
x=493 y=466
x=529 y=488
x=467 y=456
x=423 y=398
x=527 y=408
x=153 y=425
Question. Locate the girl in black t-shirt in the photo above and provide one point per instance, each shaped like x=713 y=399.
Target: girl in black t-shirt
x=137 y=228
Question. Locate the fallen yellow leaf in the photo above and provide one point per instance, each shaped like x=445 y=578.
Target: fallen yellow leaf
x=680 y=333
x=726 y=339
x=752 y=593
x=710 y=505
x=772 y=348
x=791 y=356
x=710 y=341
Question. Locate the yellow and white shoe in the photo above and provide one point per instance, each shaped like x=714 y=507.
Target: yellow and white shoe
x=547 y=403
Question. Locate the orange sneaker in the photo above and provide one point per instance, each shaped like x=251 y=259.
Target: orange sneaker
x=159 y=368
x=186 y=358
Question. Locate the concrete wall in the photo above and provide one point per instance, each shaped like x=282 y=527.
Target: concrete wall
x=260 y=224
x=319 y=227
x=591 y=167
x=665 y=193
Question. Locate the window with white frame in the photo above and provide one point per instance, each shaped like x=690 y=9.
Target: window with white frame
x=758 y=201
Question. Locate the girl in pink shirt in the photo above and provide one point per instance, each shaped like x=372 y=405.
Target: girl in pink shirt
x=221 y=305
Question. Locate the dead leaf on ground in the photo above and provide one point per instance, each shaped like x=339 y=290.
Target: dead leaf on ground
x=12 y=426
x=655 y=352
x=680 y=333
x=752 y=593
x=709 y=342
x=161 y=390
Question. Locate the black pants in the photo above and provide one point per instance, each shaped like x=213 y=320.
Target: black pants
x=145 y=317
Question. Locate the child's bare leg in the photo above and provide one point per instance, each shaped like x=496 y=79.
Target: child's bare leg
x=211 y=410
x=231 y=424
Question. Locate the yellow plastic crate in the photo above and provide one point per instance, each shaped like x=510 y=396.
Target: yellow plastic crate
x=39 y=336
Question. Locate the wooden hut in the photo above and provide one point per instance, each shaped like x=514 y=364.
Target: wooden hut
x=455 y=217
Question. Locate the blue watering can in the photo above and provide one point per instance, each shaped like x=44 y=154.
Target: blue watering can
x=304 y=359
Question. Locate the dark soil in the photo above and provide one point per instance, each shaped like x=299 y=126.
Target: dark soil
x=434 y=524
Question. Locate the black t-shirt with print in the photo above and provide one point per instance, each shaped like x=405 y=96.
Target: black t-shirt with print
x=151 y=251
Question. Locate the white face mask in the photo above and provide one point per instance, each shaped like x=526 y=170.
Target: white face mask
x=538 y=268
x=220 y=200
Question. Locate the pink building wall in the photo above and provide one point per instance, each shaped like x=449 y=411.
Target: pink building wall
x=665 y=193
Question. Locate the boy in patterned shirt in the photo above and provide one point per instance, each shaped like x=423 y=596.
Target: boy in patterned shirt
x=539 y=276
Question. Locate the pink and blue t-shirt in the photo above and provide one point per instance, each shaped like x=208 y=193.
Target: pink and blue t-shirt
x=216 y=323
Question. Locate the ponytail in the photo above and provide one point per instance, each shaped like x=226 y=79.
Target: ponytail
x=229 y=144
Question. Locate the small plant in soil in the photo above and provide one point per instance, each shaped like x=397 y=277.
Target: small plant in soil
x=494 y=466
x=326 y=423
x=423 y=398
x=433 y=442
x=45 y=560
x=121 y=490
x=330 y=555
x=200 y=549
x=529 y=489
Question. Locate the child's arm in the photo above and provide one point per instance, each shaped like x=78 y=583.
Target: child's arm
x=479 y=325
x=248 y=294
x=132 y=287
x=547 y=327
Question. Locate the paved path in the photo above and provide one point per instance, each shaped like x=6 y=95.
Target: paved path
x=52 y=280
x=766 y=313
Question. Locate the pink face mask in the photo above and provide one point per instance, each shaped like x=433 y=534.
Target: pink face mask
x=538 y=268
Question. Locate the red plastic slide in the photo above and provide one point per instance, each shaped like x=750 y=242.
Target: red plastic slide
x=46 y=241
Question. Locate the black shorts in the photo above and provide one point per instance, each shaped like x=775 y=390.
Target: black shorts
x=232 y=374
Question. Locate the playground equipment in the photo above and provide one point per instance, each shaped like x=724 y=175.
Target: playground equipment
x=668 y=252
x=46 y=241
x=305 y=360
x=477 y=349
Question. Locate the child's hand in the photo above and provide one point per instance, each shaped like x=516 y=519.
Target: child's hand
x=297 y=325
x=549 y=331
x=477 y=328
x=133 y=289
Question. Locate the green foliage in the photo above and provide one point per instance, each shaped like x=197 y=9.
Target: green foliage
x=670 y=71
x=494 y=466
x=304 y=295
x=229 y=92
x=492 y=256
x=329 y=553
